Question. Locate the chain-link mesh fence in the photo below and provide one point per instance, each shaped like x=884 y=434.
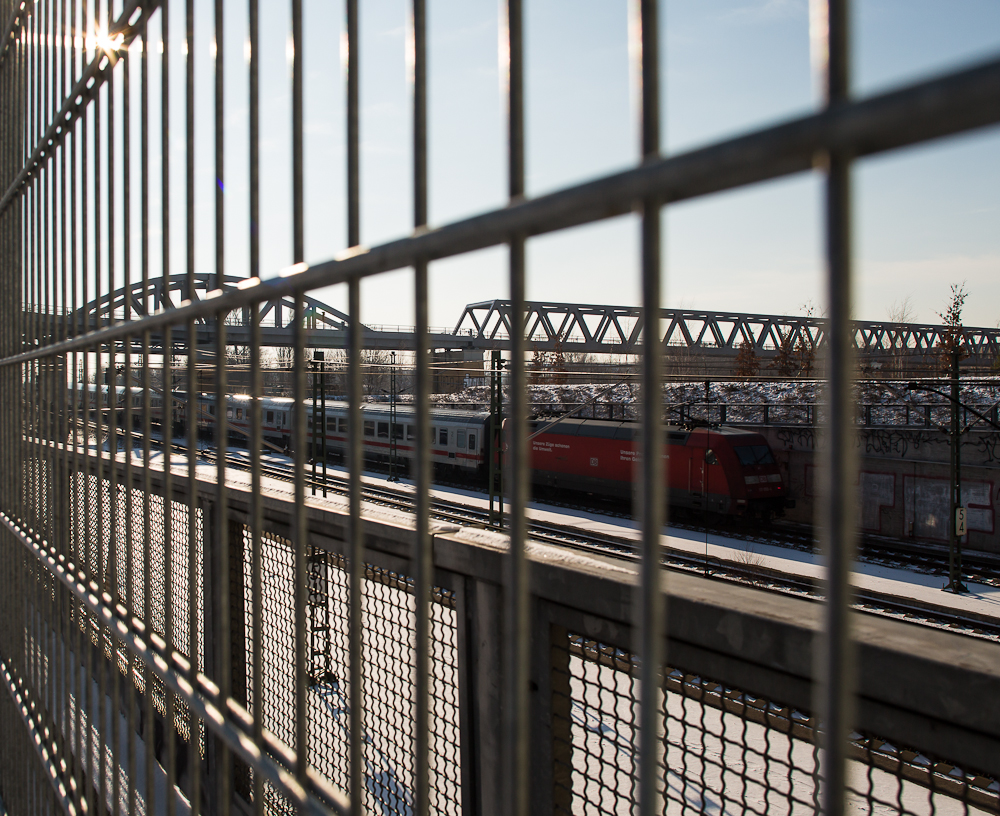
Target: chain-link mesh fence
x=724 y=750
x=388 y=626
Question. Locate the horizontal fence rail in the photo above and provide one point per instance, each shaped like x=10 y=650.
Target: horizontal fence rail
x=182 y=632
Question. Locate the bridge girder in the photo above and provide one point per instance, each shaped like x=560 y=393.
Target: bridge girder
x=571 y=327
x=592 y=329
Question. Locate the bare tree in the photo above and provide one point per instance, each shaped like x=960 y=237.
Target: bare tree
x=953 y=337
x=785 y=361
x=284 y=356
x=747 y=362
x=376 y=369
x=900 y=311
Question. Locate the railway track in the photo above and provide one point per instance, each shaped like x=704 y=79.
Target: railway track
x=982 y=568
x=748 y=571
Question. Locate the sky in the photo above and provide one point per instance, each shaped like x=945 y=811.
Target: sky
x=924 y=218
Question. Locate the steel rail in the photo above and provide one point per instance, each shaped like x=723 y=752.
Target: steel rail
x=940 y=107
x=93 y=78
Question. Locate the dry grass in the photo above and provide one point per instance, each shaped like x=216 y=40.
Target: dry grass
x=752 y=564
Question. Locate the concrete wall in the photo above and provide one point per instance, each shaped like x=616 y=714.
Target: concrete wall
x=903 y=484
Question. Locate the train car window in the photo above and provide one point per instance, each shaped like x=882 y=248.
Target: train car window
x=411 y=432
x=472 y=441
x=270 y=417
x=383 y=430
x=239 y=413
x=397 y=431
x=443 y=440
x=460 y=439
x=369 y=428
x=310 y=422
x=229 y=413
x=754 y=454
x=211 y=410
x=342 y=425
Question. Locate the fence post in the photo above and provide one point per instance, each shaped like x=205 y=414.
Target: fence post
x=485 y=679
x=213 y=575
x=559 y=764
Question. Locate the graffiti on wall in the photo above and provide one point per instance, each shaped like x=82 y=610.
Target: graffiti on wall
x=988 y=445
x=893 y=442
x=926 y=503
x=927 y=506
x=875 y=491
x=797 y=438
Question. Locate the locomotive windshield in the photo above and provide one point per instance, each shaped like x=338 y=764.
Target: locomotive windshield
x=754 y=454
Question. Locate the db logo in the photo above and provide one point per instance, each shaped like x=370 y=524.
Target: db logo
x=593 y=461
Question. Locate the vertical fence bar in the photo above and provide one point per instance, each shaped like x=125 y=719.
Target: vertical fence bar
x=423 y=558
x=191 y=415
x=356 y=547
x=147 y=401
x=166 y=415
x=132 y=663
x=257 y=516
x=299 y=412
x=651 y=606
x=355 y=460
x=222 y=630
x=835 y=668
x=516 y=726
x=300 y=566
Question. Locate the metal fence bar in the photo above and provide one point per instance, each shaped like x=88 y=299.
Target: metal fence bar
x=650 y=604
x=423 y=556
x=516 y=726
x=838 y=532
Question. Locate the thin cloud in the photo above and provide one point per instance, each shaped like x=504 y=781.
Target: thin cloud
x=764 y=10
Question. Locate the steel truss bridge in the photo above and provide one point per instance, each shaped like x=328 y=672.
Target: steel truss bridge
x=548 y=326
x=619 y=330
x=326 y=326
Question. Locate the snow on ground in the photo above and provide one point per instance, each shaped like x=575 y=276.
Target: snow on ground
x=735 y=391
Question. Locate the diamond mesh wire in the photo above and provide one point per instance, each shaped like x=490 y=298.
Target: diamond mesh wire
x=388 y=627
x=724 y=751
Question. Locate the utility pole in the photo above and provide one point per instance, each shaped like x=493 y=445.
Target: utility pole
x=320 y=357
x=495 y=466
x=393 y=476
x=315 y=424
x=955 y=535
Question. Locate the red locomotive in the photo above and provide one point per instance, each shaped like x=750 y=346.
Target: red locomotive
x=722 y=470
